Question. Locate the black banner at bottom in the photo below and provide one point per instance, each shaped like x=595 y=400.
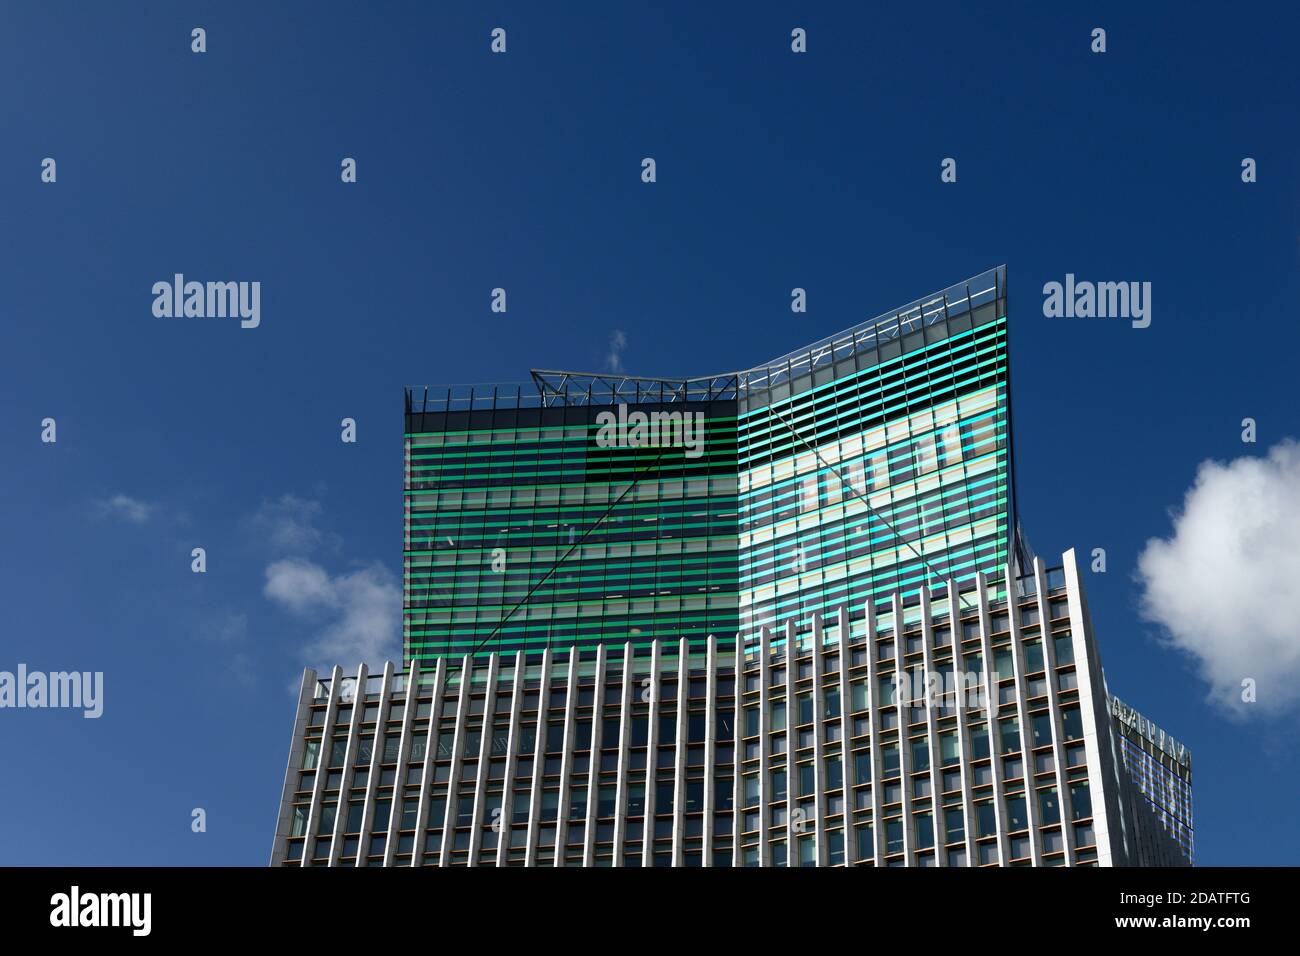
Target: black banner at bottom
x=499 y=905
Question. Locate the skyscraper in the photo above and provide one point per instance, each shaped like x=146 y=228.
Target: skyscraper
x=781 y=616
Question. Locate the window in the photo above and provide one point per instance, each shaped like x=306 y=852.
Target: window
x=419 y=745
x=1017 y=815
x=806 y=780
x=807 y=851
x=1080 y=800
x=858 y=695
x=635 y=799
x=832 y=701
x=920 y=755
x=835 y=848
x=1049 y=807
x=664 y=798
x=1041 y=725
x=554 y=737
x=862 y=767
x=834 y=773
x=473 y=742
x=924 y=830
x=1033 y=652
x=778 y=715
x=1064 y=645
x=954 y=826
x=520 y=807
x=338 y=752
x=1009 y=731
x=550 y=804
x=979 y=742
x=866 y=848
x=779 y=791
x=893 y=836
x=695 y=727
x=947 y=749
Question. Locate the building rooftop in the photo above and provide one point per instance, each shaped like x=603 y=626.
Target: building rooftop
x=940 y=312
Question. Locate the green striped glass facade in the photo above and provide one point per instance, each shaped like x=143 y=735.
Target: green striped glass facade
x=892 y=474
x=874 y=462
x=523 y=532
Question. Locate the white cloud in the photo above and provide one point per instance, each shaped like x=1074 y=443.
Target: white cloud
x=126 y=508
x=617 y=343
x=288 y=525
x=359 y=611
x=1226 y=585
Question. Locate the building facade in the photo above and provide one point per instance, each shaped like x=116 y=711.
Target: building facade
x=778 y=617
x=929 y=738
x=874 y=461
x=1159 y=774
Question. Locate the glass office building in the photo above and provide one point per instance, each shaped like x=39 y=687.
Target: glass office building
x=1159 y=770
x=870 y=462
x=777 y=617
x=938 y=734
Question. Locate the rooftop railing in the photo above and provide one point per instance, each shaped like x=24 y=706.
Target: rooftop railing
x=550 y=388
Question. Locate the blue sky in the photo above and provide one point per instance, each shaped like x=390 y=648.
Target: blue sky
x=522 y=171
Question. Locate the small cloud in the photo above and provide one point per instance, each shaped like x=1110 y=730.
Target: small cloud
x=288 y=525
x=125 y=508
x=228 y=629
x=244 y=670
x=617 y=343
x=360 y=611
x=1226 y=585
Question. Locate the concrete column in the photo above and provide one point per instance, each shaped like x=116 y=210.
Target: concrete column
x=539 y=759
x=457 y=745
x=679 y=751
x=349 y=761
x=297 y=752
x=322 y=769
x=566 y=762
x=710 y=747
x=505 y=838
x=484 y=758
x=430 y=754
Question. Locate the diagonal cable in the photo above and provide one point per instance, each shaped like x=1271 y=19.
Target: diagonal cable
x=853 y=491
